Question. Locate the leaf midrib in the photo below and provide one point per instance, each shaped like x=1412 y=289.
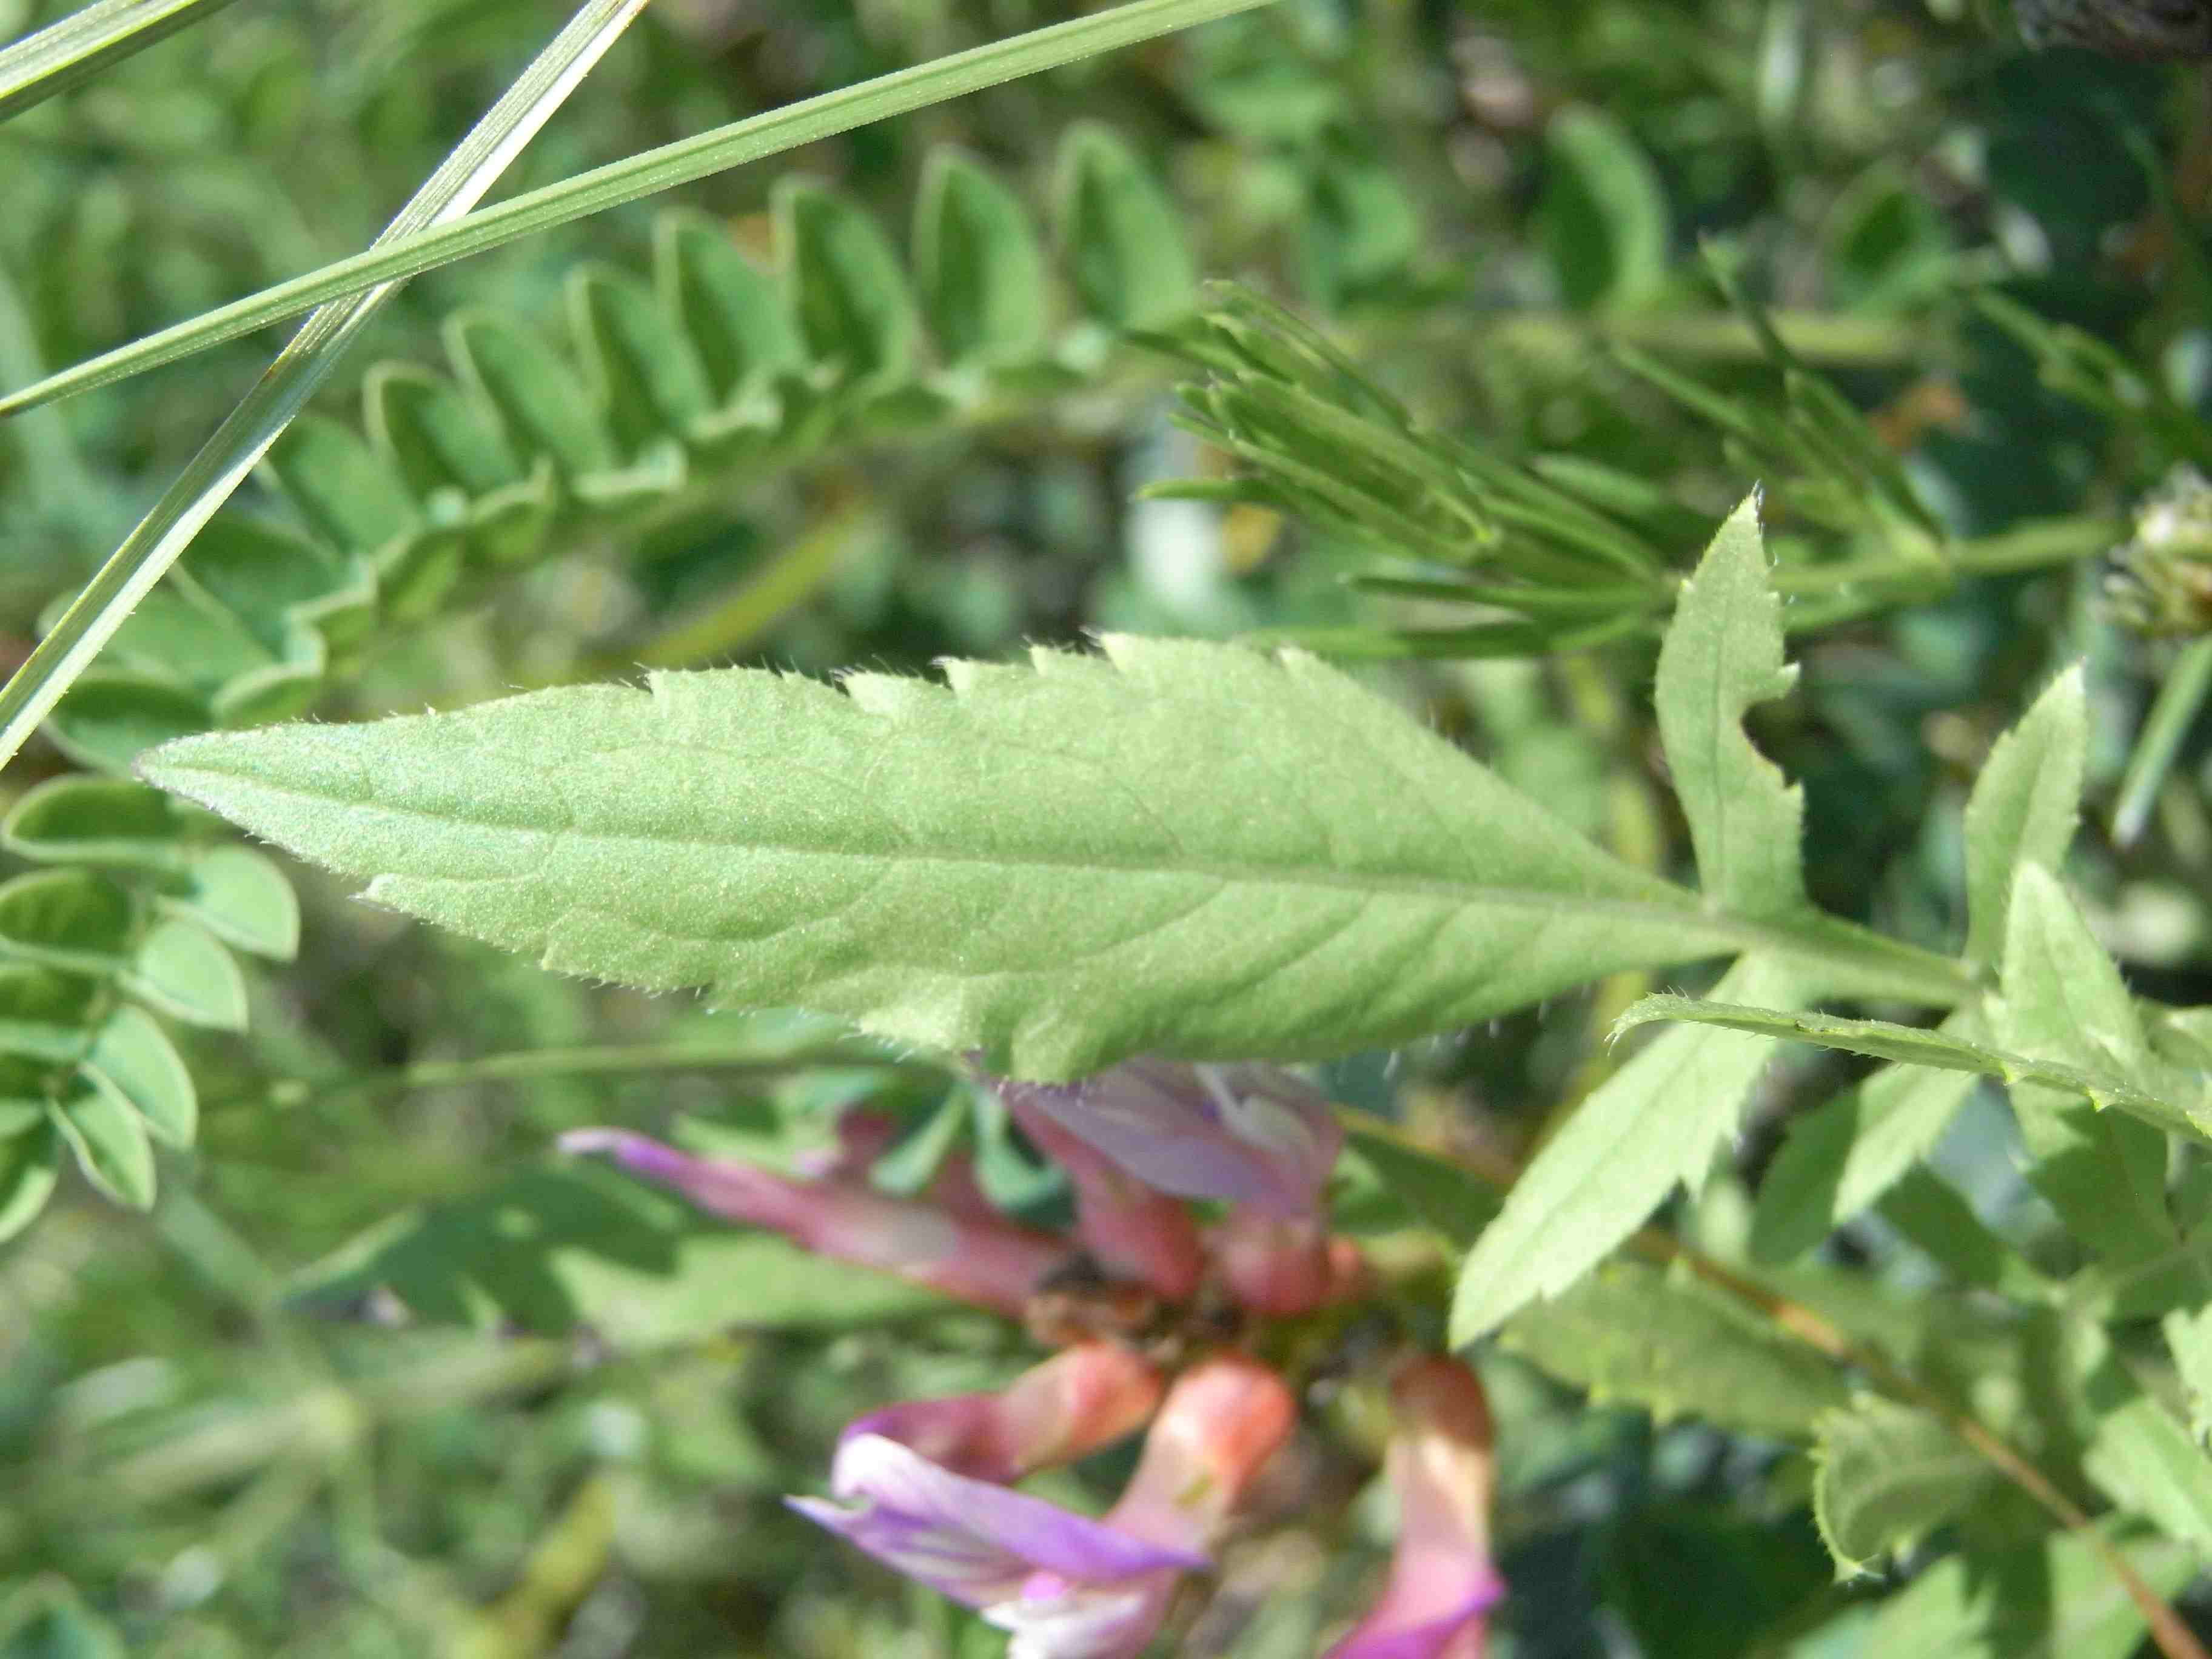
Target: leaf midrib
x=1836 y=938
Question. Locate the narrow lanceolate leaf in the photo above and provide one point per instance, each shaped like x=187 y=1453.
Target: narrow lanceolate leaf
x=251 y=429
x=1648 y=1338
x=2063 y=997
x=1881 y=1040
x=1178 y=847
x=1885 y=1476
x=2024 y=808
x=1654 y=1122
x=71 y=50
x=1723 y=654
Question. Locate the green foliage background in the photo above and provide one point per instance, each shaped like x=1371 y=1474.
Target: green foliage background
x=373 y=1376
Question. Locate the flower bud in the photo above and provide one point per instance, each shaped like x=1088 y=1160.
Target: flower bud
x=1442 y=1584
x=2161 y=583
x=1072 y=1405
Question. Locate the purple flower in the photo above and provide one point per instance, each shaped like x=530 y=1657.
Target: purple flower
x=1248 y=1133
x=1068 y=1587
x=1442 y=1584
x=976 y=1256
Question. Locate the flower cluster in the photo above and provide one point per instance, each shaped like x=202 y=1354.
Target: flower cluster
x=929 y=1486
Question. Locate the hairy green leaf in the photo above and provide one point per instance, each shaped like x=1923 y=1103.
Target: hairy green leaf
x=1651 y=1124
x=2024 y=808
x=1723 y=654
x=1885 y=1475
x=1175 y=847
x=1663 y=1341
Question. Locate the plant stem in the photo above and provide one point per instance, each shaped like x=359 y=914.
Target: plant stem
x=1499 y=1172
x=2180 y=699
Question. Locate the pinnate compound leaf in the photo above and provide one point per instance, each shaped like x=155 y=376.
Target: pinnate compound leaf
x=1885 y=1475
x=1881 y=1040
x=2055 y=1599
x=549 y=1249
x=1178 y=848
x=2024 y=808
x=1660 y=1340
x=1722 y=653
x=1654 y=1122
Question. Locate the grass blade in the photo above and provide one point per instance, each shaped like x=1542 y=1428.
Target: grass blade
x=241 y=440
x=644 y=174
x=85 y=42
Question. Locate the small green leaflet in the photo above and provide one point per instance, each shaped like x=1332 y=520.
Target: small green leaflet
x=1885 y=1475
x=1174 y=847
x=1722 y=653
x=1663 y=1341
x=2024 y=808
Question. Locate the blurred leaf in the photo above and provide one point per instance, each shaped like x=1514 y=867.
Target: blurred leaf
x=1120 y=235
x=1603 y=218
x=2058 y=1600
x=2139 y=1454
x=109 y=1139
x=30 y=1159
x=557 y=1249
x=136 y=1059
x=846 y=286
x=1644 y=1337
x=1886 y=1475
x=980 y=264
x=1438 y=1191
x=999 y=883
x=1653 y=1123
